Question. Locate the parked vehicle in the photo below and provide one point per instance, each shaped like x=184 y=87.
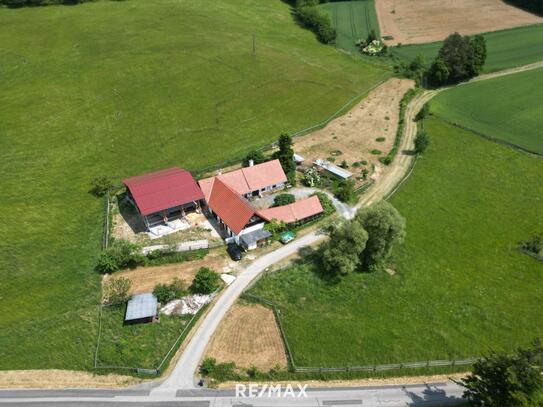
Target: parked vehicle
x=288 y=237
x=234 y=251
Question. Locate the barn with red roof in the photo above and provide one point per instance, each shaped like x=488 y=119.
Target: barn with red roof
x=164 y=195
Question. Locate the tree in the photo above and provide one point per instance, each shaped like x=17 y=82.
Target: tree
x=326 y=203
x=286 y=156
x=372 y=36
x=116 y=291
x=275 y=228
x=206 y=281
x=385 y=227
x=506 y=380
x=283 y=199
x=341 y=255
x=439 y=73
x=100 y=186
x=423 y=113
x=208 y=366
x=421 y=142
x=345 y=190
x=256 y=156
x=478 y=43
x=168 y=292
x=311 y=177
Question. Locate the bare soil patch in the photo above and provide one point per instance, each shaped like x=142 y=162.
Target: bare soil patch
x=56 y=379
x=248 y=336
x=420 y=21
x=370 y=125
x=144 y=279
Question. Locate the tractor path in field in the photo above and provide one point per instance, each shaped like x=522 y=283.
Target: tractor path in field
x=182 y=375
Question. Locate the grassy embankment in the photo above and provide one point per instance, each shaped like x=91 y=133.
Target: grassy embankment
x=121 y=88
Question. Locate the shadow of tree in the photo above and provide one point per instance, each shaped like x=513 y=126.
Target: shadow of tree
x=433 y=396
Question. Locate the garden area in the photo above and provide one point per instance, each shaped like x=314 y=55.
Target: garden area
x=456 y=287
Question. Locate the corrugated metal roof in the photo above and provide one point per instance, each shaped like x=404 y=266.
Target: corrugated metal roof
x=334 y=169
x=293 y=212
x=163 y=190
x=298 y=158
x=253 y=237
x=141 y=306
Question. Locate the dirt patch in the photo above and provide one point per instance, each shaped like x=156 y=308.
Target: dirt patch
x=144 y=279
x=420 y=21
x=56 y=379
x=392 y=381
x=248 y=336
x=370 y=125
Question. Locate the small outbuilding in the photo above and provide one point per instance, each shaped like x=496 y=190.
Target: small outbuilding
x=341 y=173
x=141 y=308
x=252 y=240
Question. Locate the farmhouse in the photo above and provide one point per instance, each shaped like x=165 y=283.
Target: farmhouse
x=164 y=196
x=250 y=181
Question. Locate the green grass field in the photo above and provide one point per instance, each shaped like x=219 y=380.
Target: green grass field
x=461 y=286
x=505 y=108
x=353 y=21
x=140 y=345
x=506 y=49
x=120 y=88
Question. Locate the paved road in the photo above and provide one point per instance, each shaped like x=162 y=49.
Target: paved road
x=440 y=394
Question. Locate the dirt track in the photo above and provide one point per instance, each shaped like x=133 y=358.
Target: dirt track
x=421 y=21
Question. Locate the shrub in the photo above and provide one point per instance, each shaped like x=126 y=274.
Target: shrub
x=345 y=190
x=253 y=371
x=376 y=152
x=344 y=164
x=311 y=177
x=208 y=366
x=326 y=203
x=121 y=254
x=206 y=281
x=365 y=173
x=423 y=113
x=380 y=139
x=283 y=199
x=167 y=292
x=100 y=186
x=316 y=21
x=535 y=245
x=421 y=142
x=275 y=228
x=116 y=291
x=256 y=156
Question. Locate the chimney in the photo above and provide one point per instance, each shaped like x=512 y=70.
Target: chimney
x=251 y=163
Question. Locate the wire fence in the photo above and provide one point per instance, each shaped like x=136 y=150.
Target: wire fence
x=146 y=370
x=107 y=226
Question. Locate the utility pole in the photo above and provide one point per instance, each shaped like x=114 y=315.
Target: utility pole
x=254 y=45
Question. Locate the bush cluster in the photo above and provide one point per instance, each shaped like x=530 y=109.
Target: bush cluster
x=318 y=22
x=116 y=291
x=409 y=95
x=168 y=292
x=120 y=254
x=283 y=199
x=206 y=281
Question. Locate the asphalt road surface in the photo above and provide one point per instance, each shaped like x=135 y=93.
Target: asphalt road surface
x=438 y=394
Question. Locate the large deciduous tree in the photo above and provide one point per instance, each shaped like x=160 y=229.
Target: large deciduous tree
x=385 y=227
x=286 y=157
x=341 y=254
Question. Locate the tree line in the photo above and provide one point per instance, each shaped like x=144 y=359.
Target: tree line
x=535 y=6
x=36 y=3
x=312 y=18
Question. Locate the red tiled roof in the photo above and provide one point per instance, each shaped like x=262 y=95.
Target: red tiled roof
x=293 y=212
x=164 y=189
x=249 y=179
x=234 y=210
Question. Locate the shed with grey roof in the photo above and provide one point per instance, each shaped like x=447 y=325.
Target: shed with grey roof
x=333 y=169
x=254 y=239
x=141 y=308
